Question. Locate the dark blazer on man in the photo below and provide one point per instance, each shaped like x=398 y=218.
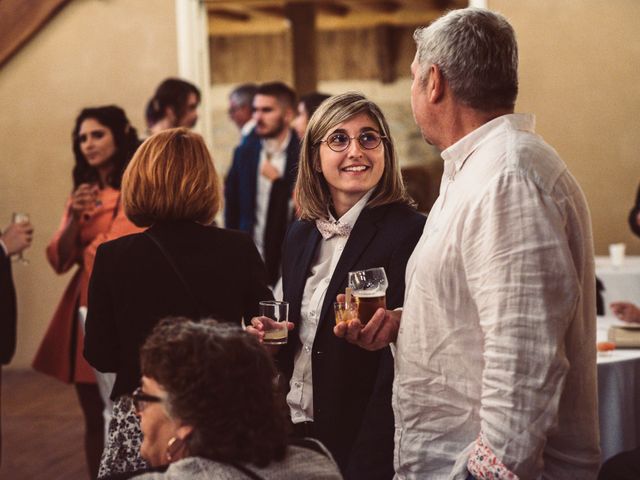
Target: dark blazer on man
x=351 y=386
x=7 y=310
x=133 y=286
x=240 y=198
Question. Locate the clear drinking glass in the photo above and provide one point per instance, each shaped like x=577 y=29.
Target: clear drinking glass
x=369 y=288
x=275 y=328
x=345 y=311
x=19 y=217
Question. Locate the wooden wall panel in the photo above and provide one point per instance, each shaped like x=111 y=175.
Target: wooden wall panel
x=341 y=55
x=252 y=58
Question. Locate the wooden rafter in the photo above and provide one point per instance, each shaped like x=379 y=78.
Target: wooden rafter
x=20 y=20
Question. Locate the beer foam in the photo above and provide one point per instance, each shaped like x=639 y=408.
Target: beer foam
x=369 y=293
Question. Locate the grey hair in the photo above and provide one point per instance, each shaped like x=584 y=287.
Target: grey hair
x=243 y=94
x=477 y=53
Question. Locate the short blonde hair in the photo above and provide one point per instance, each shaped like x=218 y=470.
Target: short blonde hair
x=171 y=177
x=312 y=191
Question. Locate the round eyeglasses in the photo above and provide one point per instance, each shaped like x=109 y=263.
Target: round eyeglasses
x=339 y=141
x=141 y=399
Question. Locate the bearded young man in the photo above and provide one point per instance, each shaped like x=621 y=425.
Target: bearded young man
x=259 y=185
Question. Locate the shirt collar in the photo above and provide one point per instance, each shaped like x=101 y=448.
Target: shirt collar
x=457 y=154
x=247 y=127
x=351 y=216
x=270 y=145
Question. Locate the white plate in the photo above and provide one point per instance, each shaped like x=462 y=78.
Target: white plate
x=627 y=325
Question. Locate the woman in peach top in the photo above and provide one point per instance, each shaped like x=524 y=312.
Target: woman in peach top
x=103 y=144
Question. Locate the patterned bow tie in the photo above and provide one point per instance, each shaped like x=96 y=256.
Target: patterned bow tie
x=328 y=229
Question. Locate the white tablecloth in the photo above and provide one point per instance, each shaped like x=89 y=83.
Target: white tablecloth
x=618 y=396
x=620 y=283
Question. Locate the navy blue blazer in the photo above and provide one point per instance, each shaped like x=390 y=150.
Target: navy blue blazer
x=7 y=310
x=240 y=198
x=351 y=386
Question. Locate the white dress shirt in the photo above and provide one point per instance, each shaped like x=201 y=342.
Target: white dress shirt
x=277 y=155
x=300 y=397
x=247 y=127
x=496 y=360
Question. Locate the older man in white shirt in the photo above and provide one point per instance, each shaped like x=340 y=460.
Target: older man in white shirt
x=495 y=347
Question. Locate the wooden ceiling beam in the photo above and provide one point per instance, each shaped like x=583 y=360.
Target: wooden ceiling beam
x=384 y=6
x=333 y=8
x=303 y=47
x=230 y=15
x=20 y=20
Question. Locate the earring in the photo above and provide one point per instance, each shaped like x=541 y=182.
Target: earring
x=174 y=446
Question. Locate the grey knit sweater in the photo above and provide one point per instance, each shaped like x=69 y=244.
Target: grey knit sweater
x=300 y=463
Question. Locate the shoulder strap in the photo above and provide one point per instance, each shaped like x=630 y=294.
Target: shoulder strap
x=310 y=444
x=173 y=265
x=249 y=473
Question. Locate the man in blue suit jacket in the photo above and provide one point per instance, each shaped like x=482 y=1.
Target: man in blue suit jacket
x=259 y=186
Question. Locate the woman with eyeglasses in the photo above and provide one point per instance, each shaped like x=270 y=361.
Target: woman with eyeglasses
x=354 y=215
x=209 y=408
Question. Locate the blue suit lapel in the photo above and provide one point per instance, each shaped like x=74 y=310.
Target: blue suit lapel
x=252 y=173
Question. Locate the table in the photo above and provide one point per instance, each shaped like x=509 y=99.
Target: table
x=618 y=396
x=620 y=283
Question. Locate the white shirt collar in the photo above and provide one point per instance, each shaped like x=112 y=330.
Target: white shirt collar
x=455 y=155
x=351 y=216
x=271 y=145
x=247 y=127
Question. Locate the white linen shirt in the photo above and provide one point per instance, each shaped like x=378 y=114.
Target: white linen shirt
x=496 y=356
x=300 y=397
x=278 y=159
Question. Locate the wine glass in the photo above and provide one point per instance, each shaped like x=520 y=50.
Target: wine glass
x=20 y=217
x=369 y=289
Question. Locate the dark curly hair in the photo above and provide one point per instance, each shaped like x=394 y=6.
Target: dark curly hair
x=124 y=136
x=222 y=382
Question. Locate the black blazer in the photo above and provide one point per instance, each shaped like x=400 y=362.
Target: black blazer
x=351 y=386
x=7 y=310
x=240 y=198
x=133 y=287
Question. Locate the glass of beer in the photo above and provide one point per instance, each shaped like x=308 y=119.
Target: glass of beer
x=275 y=327
x=369 y=291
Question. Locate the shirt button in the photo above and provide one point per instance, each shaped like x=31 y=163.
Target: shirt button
x=307 y=348
x=298 y=385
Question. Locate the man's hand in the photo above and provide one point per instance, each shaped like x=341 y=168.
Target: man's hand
x=379 y=332
x=17 y=237
x=625 y=311
x=269 y=171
